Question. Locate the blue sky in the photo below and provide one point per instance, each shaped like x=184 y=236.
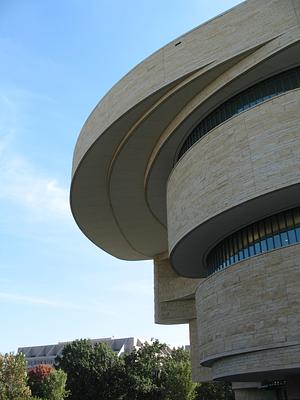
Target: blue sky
x=58 y=58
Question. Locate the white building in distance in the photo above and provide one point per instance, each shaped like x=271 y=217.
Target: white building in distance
x=47 y=354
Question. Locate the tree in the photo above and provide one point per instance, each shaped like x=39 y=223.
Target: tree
x=153 y=372
x=13 y=378
x=54 y=386
x=215 y=391
x=178 y=383
x=143 y=372
x=36 y=377
x=47 y=383
x=93 y=371
x=156 y=372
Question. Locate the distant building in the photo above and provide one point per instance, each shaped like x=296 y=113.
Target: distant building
x=47 y=354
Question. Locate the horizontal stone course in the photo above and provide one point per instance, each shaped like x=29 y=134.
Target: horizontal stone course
x=255 y=152
x=265 y=315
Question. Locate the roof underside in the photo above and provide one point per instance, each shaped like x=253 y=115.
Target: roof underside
x=126 y=149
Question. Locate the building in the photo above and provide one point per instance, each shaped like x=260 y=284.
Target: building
x=47 y=354
x=193 y=160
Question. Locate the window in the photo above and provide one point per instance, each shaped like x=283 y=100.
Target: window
x=280 y=230
x=271 y=87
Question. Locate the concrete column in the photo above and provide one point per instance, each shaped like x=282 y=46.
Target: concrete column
x=174 y=296
x=199 y=373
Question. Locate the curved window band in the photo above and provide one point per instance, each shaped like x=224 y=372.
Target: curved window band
x=271 y=233
x=271 y=87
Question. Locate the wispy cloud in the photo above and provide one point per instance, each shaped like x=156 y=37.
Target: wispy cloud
x=17 y=298
x=93 y=307
x=22 y=182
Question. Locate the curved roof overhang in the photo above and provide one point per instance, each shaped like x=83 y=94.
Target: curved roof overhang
x=124 y=154
x=108 y=193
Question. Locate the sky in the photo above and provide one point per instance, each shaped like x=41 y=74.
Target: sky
x=58 y=58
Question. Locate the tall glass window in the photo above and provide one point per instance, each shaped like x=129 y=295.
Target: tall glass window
x=250 y=97
x=280 y=230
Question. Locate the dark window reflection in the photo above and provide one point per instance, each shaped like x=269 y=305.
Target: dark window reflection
x=252 y=96
x=280 y=230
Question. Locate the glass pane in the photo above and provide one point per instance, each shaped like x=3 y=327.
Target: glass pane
x=248 y=98
x=270 y=243
x=262 y=229
x=263 y=244
x=289 y=219
x=297 y=231
x=235 y=248
x=281 y=222
x=296 y=215
x=292 y=236
x=284 y=238
x=268 y=227
x=266 y=235
x=257 y=248
x=277 y=241
x=223 y=256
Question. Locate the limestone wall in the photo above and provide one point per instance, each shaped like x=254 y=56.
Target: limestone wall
x=248 y=315
x=249 y=157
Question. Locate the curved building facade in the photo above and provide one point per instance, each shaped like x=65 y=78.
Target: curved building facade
x=193 y=160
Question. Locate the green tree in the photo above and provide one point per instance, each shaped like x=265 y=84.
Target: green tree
x=215 y=391
x=46 y=383
x=178 y=383
x=94 y=372
x=36 y=377
x=13 y=378
x=143 y=369
x=54 y=386
x=155 y=372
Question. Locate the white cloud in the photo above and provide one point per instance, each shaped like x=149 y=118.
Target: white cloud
x=21 y=183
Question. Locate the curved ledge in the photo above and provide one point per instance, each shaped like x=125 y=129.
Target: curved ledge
x=279 y=230
x=260 y=92
x=188 y=258
x=258 y=64
x=270 y=364
x=108 y=198
x=172 y=62
x=226 y=181
x=111 y=164
x=250 y=309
